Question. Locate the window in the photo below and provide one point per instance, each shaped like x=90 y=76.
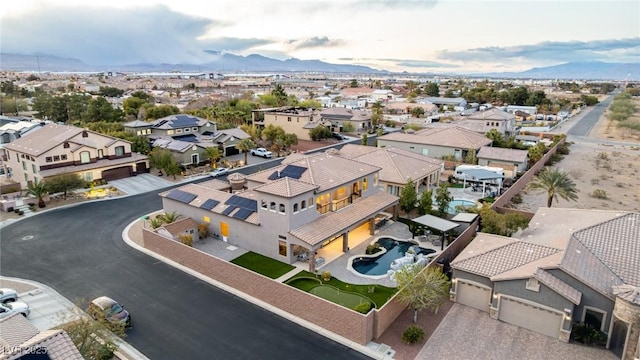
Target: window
x=310 y=204
x=375 y=179
x=206 y=219
x=178 y=131
x=56 y=158
x=119 y=150
x=66 y=145
x=365 y=184
x=295 y=208
x=139 y=132
x=100 y=153
x=187 y=130
x=8 y=155
x=282 y=248
x=48 y=159
x=63 y=157
x=594 y=317
x=85 y=134
x=85 y=157
x=26 y=177
x=272 y=206
x=303 y=205
x=263 y=204
x=282 y=209
x=88 y=176
x=24 y=165
x=169 y=132
x=289 y=118
x=194 y=129
x=488 y=123
x=33 y=168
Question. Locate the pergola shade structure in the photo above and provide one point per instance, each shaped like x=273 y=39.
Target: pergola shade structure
x=434 y=222
x=481 y=175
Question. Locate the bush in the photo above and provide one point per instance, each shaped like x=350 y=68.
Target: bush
x=20 y=212
x=588 y=335
x=363 y=307
x=16 y=210
x=203 y=231
x=373 y=248
x=599 y=194
x=186 y=239
x=412 y=335
x=517 y=199
x=10 y=209
x=326 y=276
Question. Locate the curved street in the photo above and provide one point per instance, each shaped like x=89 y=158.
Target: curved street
x=79 y=251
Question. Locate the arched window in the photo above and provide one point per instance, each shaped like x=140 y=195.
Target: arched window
x=295 y=208
x=65 y=145
x=263 y=204
x=272 y=206
x=282 y=209
x=303 y=205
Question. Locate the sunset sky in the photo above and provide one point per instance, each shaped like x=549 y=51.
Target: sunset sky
x=394 y=35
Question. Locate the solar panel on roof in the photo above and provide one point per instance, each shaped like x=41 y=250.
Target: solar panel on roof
x=183 y=120
x=241 y=202
x=293 y=171
x=274 y=176
x=242 y=214
x=181 y=196
x=209 y=204
x=228 y=210
x=188 y=138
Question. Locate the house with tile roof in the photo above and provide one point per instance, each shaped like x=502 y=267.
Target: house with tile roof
x=175 y=126
x=397 y=166
x=491 y=119
x=294 y=120
x=338 y=116
x=570 y=266
x=19 y=339
x=513 y=161
x=305 y=208
x=63 y=149
x=437 y=142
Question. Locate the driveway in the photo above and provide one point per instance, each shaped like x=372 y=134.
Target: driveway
x=141 y=183
x=467 y=333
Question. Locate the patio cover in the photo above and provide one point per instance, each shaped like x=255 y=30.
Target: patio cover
x=465 y=217
x=481 y=174
x=435 y=222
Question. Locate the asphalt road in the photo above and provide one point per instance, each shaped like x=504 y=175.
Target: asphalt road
x=588 y=121
x=79 y=251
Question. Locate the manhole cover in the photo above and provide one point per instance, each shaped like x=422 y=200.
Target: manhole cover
x=28 y=237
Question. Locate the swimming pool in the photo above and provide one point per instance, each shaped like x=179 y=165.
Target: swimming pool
x=451 y=209
x=379 y=265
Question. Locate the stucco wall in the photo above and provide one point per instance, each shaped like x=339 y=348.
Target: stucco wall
x=342 y=321
x=544 y=296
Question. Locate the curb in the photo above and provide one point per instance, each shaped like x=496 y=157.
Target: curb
x=304 y=323
x=125 y=350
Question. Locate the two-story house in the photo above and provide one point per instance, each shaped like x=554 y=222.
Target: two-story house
x=338 y=116
x=570 y=266
x=494 y=118
x=181 y=127
x=62 y=149
x=294 y=120
x=305 y=208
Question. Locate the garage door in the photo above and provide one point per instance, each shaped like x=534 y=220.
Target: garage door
x=475 y=296
x=117 y=173
x=530 y=317
x=231 y=150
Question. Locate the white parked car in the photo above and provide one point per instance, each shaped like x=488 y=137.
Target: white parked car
x=261 y=152
x=218 y=172
x=7 y=295
x=14 y=307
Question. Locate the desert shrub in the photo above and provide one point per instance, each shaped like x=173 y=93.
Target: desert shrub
x=588 y=335
x=595 y=181
x=20 y=212
x=603 y=156
x=16 y=210
x=326 y=276
x=563 y=149
x=517 y=199
x=620 y=185
x=10 y=209
x=412 y=335
x=599 y=194
x=186 y=239
x=203 y=231
x=373 y=248
x=363 y=307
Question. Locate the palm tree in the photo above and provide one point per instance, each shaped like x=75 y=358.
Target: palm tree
x=245 y=145
x=556 y=183
x=168 y=218
x=213 y=153
x=38 y=189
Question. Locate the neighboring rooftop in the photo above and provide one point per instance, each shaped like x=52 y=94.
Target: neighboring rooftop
x=454 y=136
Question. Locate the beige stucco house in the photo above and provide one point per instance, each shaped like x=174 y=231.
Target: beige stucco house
x=62 y=149
x=337 y=117
x=437 y=142
x=397 y=166
x=492 y=119
x=513 y=161
x=293 y=120
x=309 y=207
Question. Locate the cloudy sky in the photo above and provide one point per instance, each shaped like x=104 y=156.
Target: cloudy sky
x=396 y=35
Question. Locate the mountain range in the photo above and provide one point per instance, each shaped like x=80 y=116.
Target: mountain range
x=587 y=70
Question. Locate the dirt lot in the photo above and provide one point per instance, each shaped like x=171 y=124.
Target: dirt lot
x=611 y=171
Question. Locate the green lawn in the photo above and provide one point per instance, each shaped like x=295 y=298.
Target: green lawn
x=380 y=294
x=347 y=299
x=263 y=265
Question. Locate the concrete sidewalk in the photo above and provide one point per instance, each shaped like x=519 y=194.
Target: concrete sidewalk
x=49 y=310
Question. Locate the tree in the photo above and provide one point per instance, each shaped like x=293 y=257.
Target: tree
x=353 y=83
x=536 y=152
x=153 y=112
x=471 y=158
x=417 y=112
x=500 y=224
x=425 y=204
x=162 y=159
x=280 y=95
x=348 y=127
x=94 y=338
x=443 y=198
x=272 y=132
x=213 y=153
x=169 y=218
x=38 y=189
x=555 y=183
x=432 y=89
x=422 y=288
x=245 y=145
x=319 y=133
x=496 y=137
x=408 y=197
x=65 y=182
x=140 y=144
x=365 y=139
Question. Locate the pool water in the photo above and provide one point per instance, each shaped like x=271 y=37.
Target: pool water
x=381 y=264
x=451 y=209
